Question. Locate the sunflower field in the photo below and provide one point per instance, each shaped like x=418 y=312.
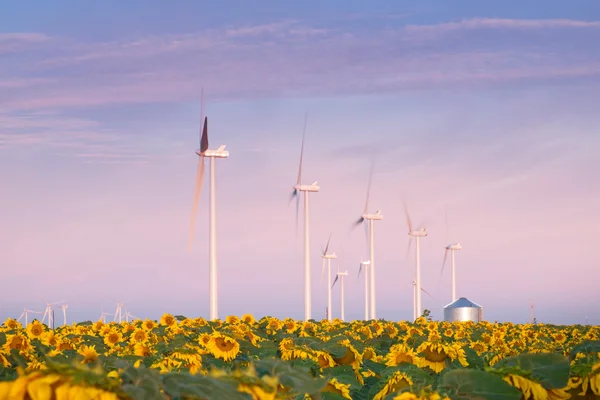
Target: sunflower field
x=245 y=358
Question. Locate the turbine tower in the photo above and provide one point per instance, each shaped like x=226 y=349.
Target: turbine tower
x=452 y=248
x=414 y=285
x=340 y=276
x=418 y=234
x=26 y=313
x=370 y=219
x=64 y=309
x=365 y=265
x=299 y=187
x=203 y=153
x=327 y=257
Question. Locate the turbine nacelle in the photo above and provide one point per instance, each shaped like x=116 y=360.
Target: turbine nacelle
x=307 y=188
x=454 y=246
x=377 y=216
x=329 y=255
x=345 y=273
x=219 y=153
x=418 y=233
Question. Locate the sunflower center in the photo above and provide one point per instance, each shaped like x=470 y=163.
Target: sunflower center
x=435 y=355
x=403 y=357
x=224 y=345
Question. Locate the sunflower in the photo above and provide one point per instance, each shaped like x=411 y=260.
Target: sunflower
x=248 y=319
x=35 y=330
x=369 y=353
x=350 y=357
x=479 y=347
x=395 y=382
x=168 y=320
x=534 y=390
x=339 y=388
x=434 y=355
x=148 y=325
x=112 y=337
x=290 y=326
x=89 y=354
x=12 y=324
x=401 y=353
x=232 y=320
x=140 y=349
x=139 y=335
x=17 y=341
x=223 y=347
x=324 y=359
x=204 y=339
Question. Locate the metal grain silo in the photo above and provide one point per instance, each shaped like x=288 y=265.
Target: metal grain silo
x=462 y=310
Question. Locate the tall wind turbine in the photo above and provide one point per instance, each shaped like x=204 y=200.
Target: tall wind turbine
x=365 y=265
x=49 y=312
x=414 y=285
x=370 y=219
x=418 y=234
x=340 y=276
x=64 y=310
x=26 y=313
x=452 y=247
x=204 y=152
x=119 y=313
x=327 y=257
x=299 y=187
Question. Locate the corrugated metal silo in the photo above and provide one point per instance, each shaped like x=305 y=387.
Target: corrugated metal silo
x=462 y=310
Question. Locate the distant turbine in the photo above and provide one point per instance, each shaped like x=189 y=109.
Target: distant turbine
x=340 y=276
x=417 y=233
x=26 y=313
x=452 y=247
x=103 y=316
x=365 y=265
x=118 y=313
x=327 y=257
x=415 y=314
x=299 y=187
x=49 y=312
x=371 y=218
x=64 y=309
x=212 y=257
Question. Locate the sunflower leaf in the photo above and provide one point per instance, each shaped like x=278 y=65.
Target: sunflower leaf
x=475 y=384
x=551 y=370
x=586 y=346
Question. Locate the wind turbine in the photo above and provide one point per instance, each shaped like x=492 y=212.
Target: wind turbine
x=452 y=247
x=103 y=316
x=26 y=315
x=299 y=187
x=64 y=309
x=129 y=316
x=414 y=285
x=371 y=218
x=49 y=312
x=327 y=257
x=418 y=234
x=365 y=265
x=340 y=276
x=118 y=313
x=204 y=152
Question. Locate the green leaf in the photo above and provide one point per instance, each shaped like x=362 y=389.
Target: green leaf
x=373 y=366
x=586 y=346
x=474 y=384
x=334 y=349
x=551 y=370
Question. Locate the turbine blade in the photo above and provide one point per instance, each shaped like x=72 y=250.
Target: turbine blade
x=204 y=138
x=336 y=279
x=359 y=269
x=410 y=228
x=429 y=294
x=299 y=181
x=408 y=247
x=444 y=262
x=198 y=190
x=327 y=246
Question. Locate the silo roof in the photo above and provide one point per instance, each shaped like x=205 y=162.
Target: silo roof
x=463 y=302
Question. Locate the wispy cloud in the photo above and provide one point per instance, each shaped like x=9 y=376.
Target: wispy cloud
x=289 y=58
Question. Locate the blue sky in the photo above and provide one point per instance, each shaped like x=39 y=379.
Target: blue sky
x=486 y=110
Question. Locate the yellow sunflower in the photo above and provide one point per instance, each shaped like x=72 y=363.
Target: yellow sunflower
x=400 y=353
x=168 y=320
x=337 y=387
x=248 y=319
x=112 y=337
x=148 y=325
x=223 y=347
x=434 y=355
x=139 y=335
x=89 y=354
x=397 y=381
x=35 y=330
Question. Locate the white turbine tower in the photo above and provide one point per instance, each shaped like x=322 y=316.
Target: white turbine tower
x=204 y=152
x=49 y=312
x=365 y=265
x=418 y=234
x=371 y=218
x=327 y=257
x=414 y=285
x=64 y=309
x=452 y=248
x=340 y=276
x=103 y=316
x=299 y=187
x=26 y=313
x=118 y=313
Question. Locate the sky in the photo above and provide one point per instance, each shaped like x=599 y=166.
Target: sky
x=482 y=117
